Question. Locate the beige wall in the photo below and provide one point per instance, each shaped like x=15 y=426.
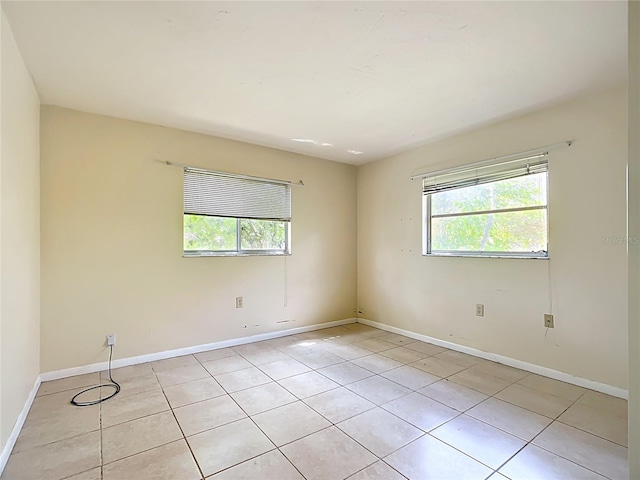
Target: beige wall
x=586 y=277
x=112 y=243
x=19 y=234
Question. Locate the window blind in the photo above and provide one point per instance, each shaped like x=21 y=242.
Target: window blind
x=213 y=194
x=475 y=175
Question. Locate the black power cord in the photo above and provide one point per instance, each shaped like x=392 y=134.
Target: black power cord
x=113 y=384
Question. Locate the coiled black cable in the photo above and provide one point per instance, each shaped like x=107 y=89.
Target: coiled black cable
x=113 y=384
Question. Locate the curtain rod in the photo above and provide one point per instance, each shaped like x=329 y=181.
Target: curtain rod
x=220 y=173
x=527 y=154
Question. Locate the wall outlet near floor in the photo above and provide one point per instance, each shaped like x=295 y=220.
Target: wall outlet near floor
x=239 y=302
x=111 y=340
x=548 y=320
x=479 y=309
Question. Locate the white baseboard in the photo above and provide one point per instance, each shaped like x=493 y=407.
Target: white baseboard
x=17 y=427
x=151 y=357
x=512 y=362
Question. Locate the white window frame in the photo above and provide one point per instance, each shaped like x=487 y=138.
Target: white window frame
x=239 y=251
x=427 y=237
x=222 y=194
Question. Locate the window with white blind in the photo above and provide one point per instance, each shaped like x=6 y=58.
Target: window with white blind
x=496 y=210
x=226 y=214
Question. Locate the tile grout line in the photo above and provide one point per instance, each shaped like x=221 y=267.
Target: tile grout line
x=558 y=455
x=266 y=436
x=101 y=444
x=464 y=413
x=178 y=423
x=530 y=442
x=145 y=450
x=592 y=434
x=382 y=460
x=147 y=416
x=586 y=431
x=59 y=440
x=486 y=423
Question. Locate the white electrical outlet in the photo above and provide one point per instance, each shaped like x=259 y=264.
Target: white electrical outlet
x=111 y=339
x=480 y=310
x=239 y=302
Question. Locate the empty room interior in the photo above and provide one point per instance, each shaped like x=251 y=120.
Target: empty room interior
x=319 y=240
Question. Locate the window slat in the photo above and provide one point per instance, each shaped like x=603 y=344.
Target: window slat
x=227 y=196
x=471 y=177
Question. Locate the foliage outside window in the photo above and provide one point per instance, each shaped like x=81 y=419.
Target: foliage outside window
x=204 y=234
x=500 y=218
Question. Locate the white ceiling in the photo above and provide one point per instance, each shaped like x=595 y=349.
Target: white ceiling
x=351 y=81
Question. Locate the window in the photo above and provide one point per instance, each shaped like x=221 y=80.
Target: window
x=492 y=210
x=226 y=214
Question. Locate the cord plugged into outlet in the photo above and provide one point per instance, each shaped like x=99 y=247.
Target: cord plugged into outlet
x=111 y=341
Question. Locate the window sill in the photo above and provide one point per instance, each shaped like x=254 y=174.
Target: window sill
x=478 y=255
x=235 y=254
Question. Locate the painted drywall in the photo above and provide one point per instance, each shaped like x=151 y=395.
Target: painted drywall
x=112 y=243
x=19 y=234
x=584 y=284
x=634 y=233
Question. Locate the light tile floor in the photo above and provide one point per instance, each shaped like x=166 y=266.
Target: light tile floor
x=345 y=402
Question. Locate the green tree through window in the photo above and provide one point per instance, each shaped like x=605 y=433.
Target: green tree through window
x=508 y=216
x=220 y=234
